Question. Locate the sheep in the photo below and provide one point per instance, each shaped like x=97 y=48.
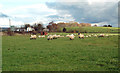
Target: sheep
x=67 y=35
x=95 y=35
x=55 y=36
x=86 y=36
x=71 y=37
x=33 y=37
x=61 y=36
x=107 y=35
x=81 y=36
x=41 y=36
x=101 y=35
x=50 y=37
x=89 y=35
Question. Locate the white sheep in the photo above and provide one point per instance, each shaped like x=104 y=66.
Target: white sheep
x=61 y=36
x=81 y=36
x=43 y=36
x=39 y=36
x=95 y=35
x=71 y=37
x=50 y=37
x=33 y=37
x=101 y=35
x=55 y=36
x=89 y=35
x=107 y=35
x=92 y=34
x=58 y=36
x=67 y=35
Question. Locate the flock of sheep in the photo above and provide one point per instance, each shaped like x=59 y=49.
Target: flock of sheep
x=71 y=36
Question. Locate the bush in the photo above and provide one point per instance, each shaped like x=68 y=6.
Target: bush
x=34 y=32
x=104 y=25
x=64 y=29
x=109 y=25
x=10 y=33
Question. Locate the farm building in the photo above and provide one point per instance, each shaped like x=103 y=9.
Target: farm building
x=30 y=29
x=20 y=29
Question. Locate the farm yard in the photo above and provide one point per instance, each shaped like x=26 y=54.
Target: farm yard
x=61 y=54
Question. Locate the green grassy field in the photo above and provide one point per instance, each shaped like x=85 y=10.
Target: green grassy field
x=93 y=29
x=62 y=54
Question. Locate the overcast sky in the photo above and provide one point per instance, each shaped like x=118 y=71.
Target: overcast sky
x=83 y=11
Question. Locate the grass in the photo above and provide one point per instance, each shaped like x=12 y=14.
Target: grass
x=62 y=54
x=0 y=53
x=93 y=29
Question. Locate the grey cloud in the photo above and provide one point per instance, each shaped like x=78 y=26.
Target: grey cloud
x=94 y=13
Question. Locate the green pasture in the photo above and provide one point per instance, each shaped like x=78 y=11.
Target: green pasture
x=89 y=54
x=92 y=29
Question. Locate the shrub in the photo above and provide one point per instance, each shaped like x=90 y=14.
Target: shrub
x=10 y=33
x=64 y=29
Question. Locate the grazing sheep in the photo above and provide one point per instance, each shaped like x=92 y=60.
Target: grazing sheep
x=61 y=36
x=50 y=37
x=58 y=36
x=67 y=35
x=41 y=36
x=71 y=37
x=55 y=36
x=81 y=36
x=33 y=37
x=89 y=35
x=101 y=35
x=107 y=35
x=95 y=35
x=86 y=36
